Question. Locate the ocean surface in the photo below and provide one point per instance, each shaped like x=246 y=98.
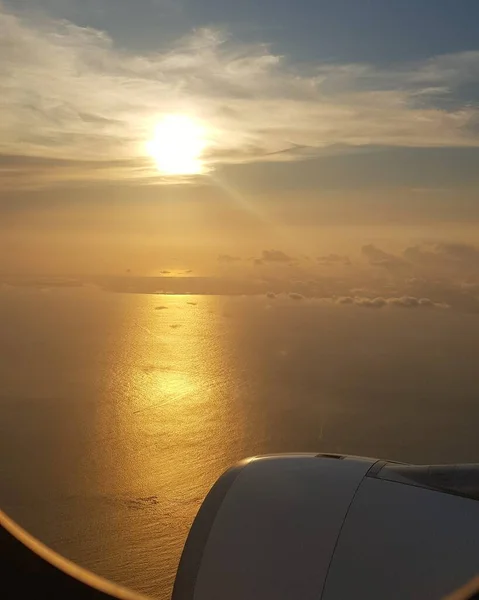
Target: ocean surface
x=119 y=411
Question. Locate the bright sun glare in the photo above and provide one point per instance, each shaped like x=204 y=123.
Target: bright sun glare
x=177 y=146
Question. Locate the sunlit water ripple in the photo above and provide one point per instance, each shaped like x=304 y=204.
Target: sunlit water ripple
x=118 y=412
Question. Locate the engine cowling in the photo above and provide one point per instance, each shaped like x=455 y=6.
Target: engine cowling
x=330 y=527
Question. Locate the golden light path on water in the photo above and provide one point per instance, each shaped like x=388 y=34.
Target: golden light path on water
x=165 y=431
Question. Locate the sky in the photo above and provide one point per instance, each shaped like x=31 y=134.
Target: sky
x=313 y=129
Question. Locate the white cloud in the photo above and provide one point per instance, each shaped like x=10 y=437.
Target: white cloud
x=296 y=296
x=411 y=302
x=370 y=302
x=426 y=292
x=380 y=302
x=435 y=275
x=68 y=92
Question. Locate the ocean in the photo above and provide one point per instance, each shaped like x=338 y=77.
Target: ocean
x=119 y=411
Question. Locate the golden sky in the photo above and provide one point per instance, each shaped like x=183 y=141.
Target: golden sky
x=122 y=152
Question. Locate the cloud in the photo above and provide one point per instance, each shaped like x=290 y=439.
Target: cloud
x=444 y=254
x=345 y=300
x=69 y=93
x=450 y=261
x=31 y=172
x=334 y=259
x=380 y=302
x=461 y=252
x=277 y=256
x=227 y=258
x=411 y=302
x=296 y=296
x=375 y=292
x=379 y=258
x=455 y=262
x=370 y=302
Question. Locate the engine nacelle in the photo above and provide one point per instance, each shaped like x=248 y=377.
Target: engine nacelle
x=299 y=527
x=311 y=527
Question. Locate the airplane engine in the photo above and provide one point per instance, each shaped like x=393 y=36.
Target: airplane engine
x=330 y=527
x=299 y=527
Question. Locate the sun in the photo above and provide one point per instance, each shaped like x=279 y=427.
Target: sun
x=177 y=146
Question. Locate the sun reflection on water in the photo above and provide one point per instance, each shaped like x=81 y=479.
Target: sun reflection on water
x=167 y=427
